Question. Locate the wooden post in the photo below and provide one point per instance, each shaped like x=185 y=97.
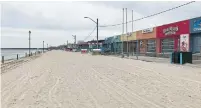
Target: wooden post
x=17 y=56
x=2 y=59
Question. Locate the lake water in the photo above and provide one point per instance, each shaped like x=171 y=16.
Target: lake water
x=12 y=53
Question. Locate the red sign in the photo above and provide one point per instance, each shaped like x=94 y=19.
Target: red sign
x=174 y=29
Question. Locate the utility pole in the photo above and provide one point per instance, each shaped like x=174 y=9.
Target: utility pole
x=132 y=32
x=29 y=43
x=132 y=20
x=127 y=32
x=43 y=46
x=122 y=35
x=47 y=46
x=97 y=32
x=74 y=36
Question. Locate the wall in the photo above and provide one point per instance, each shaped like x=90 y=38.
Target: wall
x=130 y=38
x=150 y=34
x=117 y=43
x=117 y=38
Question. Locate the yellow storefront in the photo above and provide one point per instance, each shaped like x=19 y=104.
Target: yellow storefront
x=129 y=42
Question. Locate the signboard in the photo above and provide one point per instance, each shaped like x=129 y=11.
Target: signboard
x=184 y=42
x=149 y=30
x=170 y=30
x=196 y=25
x=129 y=34
x=173 y=29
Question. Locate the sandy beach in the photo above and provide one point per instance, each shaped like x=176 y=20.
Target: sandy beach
x=60 y=79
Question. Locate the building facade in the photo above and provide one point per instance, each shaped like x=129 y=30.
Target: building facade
x=179 y=36
x=117 y=44
x=147 y=40
x=169 y=35
x=129 y=42
x=195 y=35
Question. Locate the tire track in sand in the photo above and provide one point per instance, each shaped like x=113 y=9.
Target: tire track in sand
x=137 y=96
x=51 y=91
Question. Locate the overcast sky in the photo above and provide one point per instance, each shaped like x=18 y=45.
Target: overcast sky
x=56 y=22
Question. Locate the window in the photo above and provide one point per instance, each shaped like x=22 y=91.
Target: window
x=167 y=45
x=151 y=46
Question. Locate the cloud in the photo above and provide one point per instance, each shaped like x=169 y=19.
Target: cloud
x=55 y=22
x=12 y=37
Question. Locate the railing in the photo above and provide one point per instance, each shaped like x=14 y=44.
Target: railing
x=16 y=56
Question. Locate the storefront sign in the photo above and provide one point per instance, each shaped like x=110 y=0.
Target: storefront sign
x=149 y=30
x=195 y=25
x=184 y=42
x=170 y=30
x=173 y=29
x=129 y=34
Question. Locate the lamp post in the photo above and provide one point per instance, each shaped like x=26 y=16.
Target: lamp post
x=29 y=42
x=43 y=46
x=96 y=26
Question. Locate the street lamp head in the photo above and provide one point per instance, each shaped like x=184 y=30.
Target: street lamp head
x=86 y=17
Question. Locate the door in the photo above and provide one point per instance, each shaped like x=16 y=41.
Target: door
x=167 y=45
x=196 y=43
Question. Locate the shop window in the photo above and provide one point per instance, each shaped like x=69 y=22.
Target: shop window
x=167 y=45
x=151 y=46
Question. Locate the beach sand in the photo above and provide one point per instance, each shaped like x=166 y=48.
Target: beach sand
x=60 y=79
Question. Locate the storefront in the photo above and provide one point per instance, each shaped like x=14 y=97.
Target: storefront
x=107 y=45
x=147 y=40
x=195 y=35
x=93 y=44
x=117 y=44
x=168 y=37
x=129 y=42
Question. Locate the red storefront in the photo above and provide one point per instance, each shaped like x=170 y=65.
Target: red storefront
x=168 y=36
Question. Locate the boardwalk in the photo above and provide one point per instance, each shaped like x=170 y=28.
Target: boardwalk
x=61 y=79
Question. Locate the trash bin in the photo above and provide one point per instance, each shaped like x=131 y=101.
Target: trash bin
x=181 y=57
x=186 y=57
x=175 y=58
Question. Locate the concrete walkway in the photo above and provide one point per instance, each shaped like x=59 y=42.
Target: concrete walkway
x=59 y=79
x=196 y=63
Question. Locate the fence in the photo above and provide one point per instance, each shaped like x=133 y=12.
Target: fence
x=15 y=56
